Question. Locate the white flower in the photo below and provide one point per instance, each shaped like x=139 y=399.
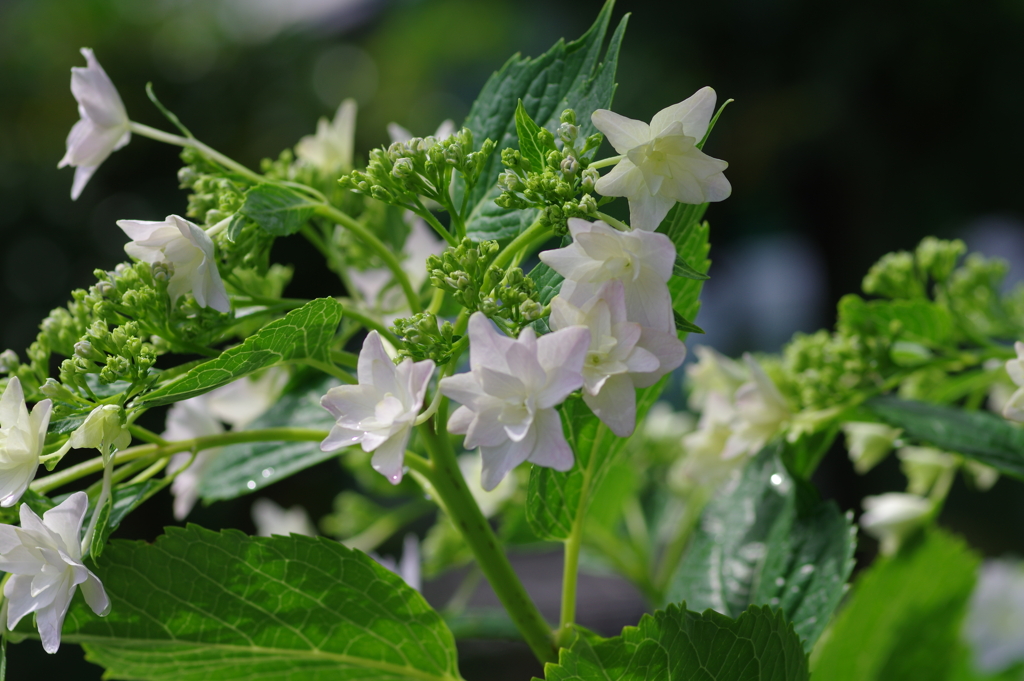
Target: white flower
x=892 y=516
x=399 y=134
x=663 y=164
x=666 y=425
x=379 y=412
x=994 y=625
x=408 y=567
x=642 y=261
x=923 y=466
x=241 y=402
x=188 y=249
x=102 y=430
x=330 y=149
x=104 y=124
x=22 y=436
x=1014 y=407
x=186 y=420
x=510 y=393
x=489 y=501
x=761 y=412
x=713 y=372
x=616 y=361
x=869 y=443
x=703 y=466
x=270 y=519
x=44 y=557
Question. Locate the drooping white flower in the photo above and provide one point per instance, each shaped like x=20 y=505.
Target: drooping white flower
x=995 y=616
x=642 y=261
x=892 y=516
x=662 y=163
x=761 y=411
x=616 y=360
x=270 y=518
x=713 y=372
x=869 y=443
x=923 y=466
x=489 y=501
x=1014 y=407
x=241 y=402
x=22 y=435
x=379 y=412
x=188 y=249
x=510 y=393
x=101 y=430
x=103 y=127
x=703 y=466
x=186 y=420
x=44 y=558
x=330 y=149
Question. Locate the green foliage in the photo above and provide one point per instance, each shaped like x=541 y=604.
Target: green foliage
x=531 y=143
x=124 y=500
x=245 y=468
x=902 y=621
x=679 y=645
x=278 y=210
x=569 y=75
x=983 y=436
x=766 y=540
x=305 y=333
x=204 y=605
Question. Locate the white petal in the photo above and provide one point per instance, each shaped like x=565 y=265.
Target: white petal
x=460 y=420
x=625 y=179
x=341 y=437
x=621 y=132
x=615 y=404
x=552 y=450
x=20 y=602
x=12 y=404
x=669 y=350
x=463 y=388
x=66 y=520
x=96 y=94
x=694 y=113
x=487 y=347
x=565 y=349
x=95 y=595
x=646 y=212
x=389 y=458
x=82 y=176
x=50 y=618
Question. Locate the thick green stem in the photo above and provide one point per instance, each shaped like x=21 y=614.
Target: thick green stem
x=673 y=552
x=443 y=473
x=530 y=235
x=605 y=162
x=209 y=152
x=378 y=247
x=570 y=573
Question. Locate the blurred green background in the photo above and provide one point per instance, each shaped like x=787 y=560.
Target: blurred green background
x=858 y=128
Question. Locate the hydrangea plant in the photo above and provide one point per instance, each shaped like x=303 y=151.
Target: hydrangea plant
x=556 y=369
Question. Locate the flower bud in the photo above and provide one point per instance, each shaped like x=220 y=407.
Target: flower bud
x=923 y=466
x=85 y=350
x=893 y=516
x=588 y=204
x=569 y=167
x=104 y=288
x=568 y=133
x=9 y=361
x=403 y=168
x=588 y=179
x=869 y=443
x=568 y=116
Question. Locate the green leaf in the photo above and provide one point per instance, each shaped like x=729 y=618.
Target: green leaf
x=678 y=645
x=979 y=435
x=124 y=500
x=757 y=544
x=681 y=269
x=555 y=499
x=305 y=333
x=684 y=324
x=245 y=468
x=278 y=210
x=569 y=75
x=529 y=146
x=205 y=606
x=902 y=621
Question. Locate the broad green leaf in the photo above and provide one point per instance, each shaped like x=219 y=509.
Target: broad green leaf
x=979 y=435
x=245 y=468
x=681 y=269
x=679 y=645
x=758 y=545
x=305 y=333
x=278 y=210
x=920 y=321
x=555 y=499
x=205 y=606
x=902 y=621
x=569 y=75
x=529 y=145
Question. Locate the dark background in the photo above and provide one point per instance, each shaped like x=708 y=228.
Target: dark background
x=858 y=128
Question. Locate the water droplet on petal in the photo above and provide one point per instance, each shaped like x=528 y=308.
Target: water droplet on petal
x=251 y=484
x=267 y=472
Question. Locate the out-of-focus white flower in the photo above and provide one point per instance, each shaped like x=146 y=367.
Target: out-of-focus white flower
x=994 y=626
x=510 y=393
x=380 y=411
x=869 y=443
x=713 y=372
x=241 y=402
x=923 y=466
x=983 y=477
x=101 y=430
x=44 y=558
x=642 y=261
x=666 y=425
x=270 y=519
x=1014 y=407
x=399 y=134
x=490 y=502
x=892 y=516
x=330 y=149
x=408 y=567
x=703 y=466
x=662 y=163
x=103 y=126
x=22 y=436
x=761 y=412
x=186 y=420
x=188 y=249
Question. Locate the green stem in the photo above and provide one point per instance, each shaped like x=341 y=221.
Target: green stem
x=674 y=551
x=528 y=236
x=570 y=573
x=378 y=246
x=68 y=475
x=422 y=211
x=443 y=473
x=605 y=162
x=209 y=152
x=372 y=324
x=616 y=223
x=330 y=369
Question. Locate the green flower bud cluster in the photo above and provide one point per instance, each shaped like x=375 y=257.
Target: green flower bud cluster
x=824 y=369
x=905 y=275
x=424 y=338
x=421 y=166
x=974 y=295
x=115 y=355
x=213 y=196
x=562 y=187
x=514 y=300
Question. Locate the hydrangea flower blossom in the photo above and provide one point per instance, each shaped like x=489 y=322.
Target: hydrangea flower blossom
x=188 y=249
x=642 y=261
x=713 y=372
x=869 y=443
x=44 y=557
x=510 y=393
x=271 y=518
x=22 y=435
x=102 y=430
x=186 y=420
x=995 y=616
x=104 y=126
x=892 y=516
x=1014 y=407
x=662 y=163
x=330 y=149
x=379 y=412
x=761 y=410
